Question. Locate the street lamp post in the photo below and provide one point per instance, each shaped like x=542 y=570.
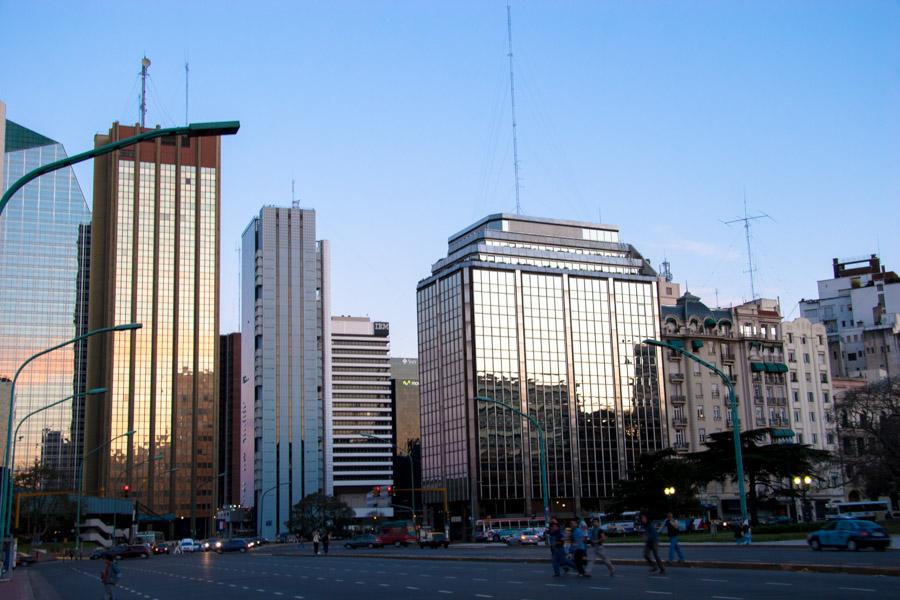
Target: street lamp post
x=670 y=494
x=81 y=489
x=191 y=130
x=412 y=473
x=262 y=504
x=6 y=483
x=542 y=441
x=735 y=417
x=803 y=483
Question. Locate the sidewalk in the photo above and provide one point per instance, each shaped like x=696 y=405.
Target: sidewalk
x=19 y=587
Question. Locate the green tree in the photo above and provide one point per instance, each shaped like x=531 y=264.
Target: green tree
x=42 y=504
x=653 y=473
x=869 y=425
x=319 y=512
x=766 y=465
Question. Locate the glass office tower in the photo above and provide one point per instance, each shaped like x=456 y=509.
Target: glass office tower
x=546 y=316
x=155 y=261
x=41 y=240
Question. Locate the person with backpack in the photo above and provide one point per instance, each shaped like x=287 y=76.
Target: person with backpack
x=110 y=575
x=597 y=538
x=672 y=531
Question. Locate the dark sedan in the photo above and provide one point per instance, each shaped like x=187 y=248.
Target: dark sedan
x=232 y=545
x=364 y=541
x=850 y=534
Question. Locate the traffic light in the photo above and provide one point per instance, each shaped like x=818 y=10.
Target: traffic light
x=390 y=490
x=376 y=491
x=125 y=489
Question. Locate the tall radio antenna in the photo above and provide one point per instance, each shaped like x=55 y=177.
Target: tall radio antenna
x=186 y=83
x=145 y=64
x=746 y=221
x=512 y=97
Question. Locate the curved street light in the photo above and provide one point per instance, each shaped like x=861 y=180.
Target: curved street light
x=6 y=483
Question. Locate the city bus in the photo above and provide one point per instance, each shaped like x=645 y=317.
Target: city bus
x=493 y=530
x=874 y=510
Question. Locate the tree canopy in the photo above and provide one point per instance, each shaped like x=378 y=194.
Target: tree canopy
x=653 y=473
x=869 y=422
x=766 y=465
x=319 y=512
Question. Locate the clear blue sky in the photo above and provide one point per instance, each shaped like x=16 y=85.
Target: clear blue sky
x=393 y=117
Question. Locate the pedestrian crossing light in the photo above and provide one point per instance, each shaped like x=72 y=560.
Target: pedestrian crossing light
x=125 y=489
x=390 y=490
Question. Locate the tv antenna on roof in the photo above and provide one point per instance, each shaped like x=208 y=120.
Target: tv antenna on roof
x=512 y=98
x=746 y=221
x=295 y=202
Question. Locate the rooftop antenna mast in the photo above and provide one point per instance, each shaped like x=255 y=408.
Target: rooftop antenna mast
x=145 y=64
x=186 y=83
x=295 y=202
x=746 y=221
x=512 y=97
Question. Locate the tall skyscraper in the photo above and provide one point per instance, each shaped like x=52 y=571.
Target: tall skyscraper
x=285 y=355
x=40 y=241
x=360 y=407
x=546 y=316
x=155 y=261
x=229 y=433
x=405 y=406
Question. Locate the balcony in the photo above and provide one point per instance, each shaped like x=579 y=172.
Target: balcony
x=758 y=400
x=681 y=446
x=673 y=355
x=676 y=377
x=760 y=421
x=778 y=401
x=679 y=422
x=734 y=378
x=727 y=357
x=677 y=400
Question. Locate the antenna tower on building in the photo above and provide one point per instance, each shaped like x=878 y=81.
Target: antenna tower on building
x=512 y=98
x=746 y=221
x=666 y=270
x=186 y=83
x=295 y=201
x=145 y=64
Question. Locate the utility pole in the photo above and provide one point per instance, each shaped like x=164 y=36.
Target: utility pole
x=145 y=64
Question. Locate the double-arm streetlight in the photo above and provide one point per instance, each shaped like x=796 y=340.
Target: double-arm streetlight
x=735 y=416
x=542 y=441
x=6 y=483
x=81 y=489
x=412 y=473
x=803 y=482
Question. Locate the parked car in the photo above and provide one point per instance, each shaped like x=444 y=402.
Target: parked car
x=850 y=534
x=532 y=536
x=366 y=540
x=231 y=545
x=434 y=539
x=189 y=545
x=123 y=551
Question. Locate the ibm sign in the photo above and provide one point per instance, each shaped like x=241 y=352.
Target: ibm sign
x=381 y=328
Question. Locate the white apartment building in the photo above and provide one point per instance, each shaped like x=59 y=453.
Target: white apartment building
x=359 y=455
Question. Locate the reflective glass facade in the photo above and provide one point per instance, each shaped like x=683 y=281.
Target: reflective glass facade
x=156 y=207
x=44 y=239
x=559 y=342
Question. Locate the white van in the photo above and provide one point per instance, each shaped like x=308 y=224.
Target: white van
x=189 y=545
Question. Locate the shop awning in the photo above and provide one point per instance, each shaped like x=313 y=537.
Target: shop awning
x=776 y=368
x=782 y=433
x=709 y=322
x=677 y=344
x=757 y=367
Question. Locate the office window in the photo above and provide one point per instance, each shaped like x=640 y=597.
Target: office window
x=717 y=413
x=700 y=412
x=810 y=396
x=812 y=417
x=825 y=398
x=796 y=416
x=806 y=358
x=808 y=377
x=702 y=434
x=796 y=395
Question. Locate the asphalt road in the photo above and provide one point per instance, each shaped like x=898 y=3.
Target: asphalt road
x=269 y=577
x=758 y=554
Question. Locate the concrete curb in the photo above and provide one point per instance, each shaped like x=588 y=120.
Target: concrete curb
x=700 y=564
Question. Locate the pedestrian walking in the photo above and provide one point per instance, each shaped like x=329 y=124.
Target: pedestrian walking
x=110 y=576
x=556 y=541
x=579 y=547
x=672 y=532
x=300 y=544
x=316 y=540
x=651 y=546
x=325 y=539
x=746 y=534
x=597 y=537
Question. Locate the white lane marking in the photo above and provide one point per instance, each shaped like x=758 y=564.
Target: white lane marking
x=444 y=592
x=299 y=597
x=514 y=582
x=384 y=584
x=554 y=585
x=450 y=577
x=412 y=587
x=779 y=583
x=715 y=580
x=479 y=579
x=260 y=590
x=279 y=593
x=597 y=587
x=658 y=593
x=728 y=598
x=483 y=596
x=855 y=589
